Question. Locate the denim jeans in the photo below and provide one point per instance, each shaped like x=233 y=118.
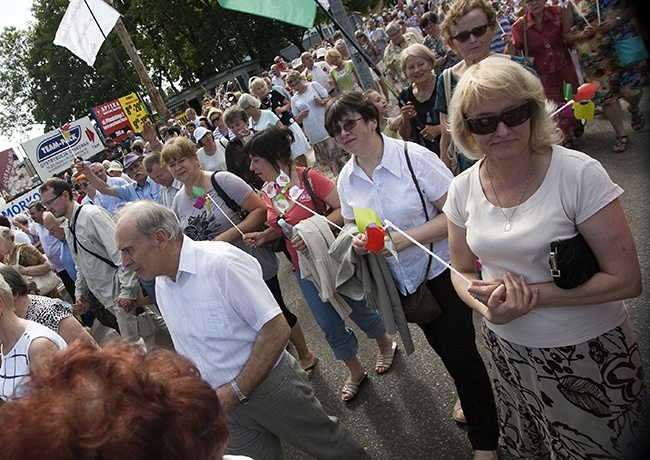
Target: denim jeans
x=341 y=338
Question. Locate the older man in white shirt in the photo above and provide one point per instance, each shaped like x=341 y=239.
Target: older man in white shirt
x=222 y=316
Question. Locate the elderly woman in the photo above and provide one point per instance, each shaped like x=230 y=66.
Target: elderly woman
x=418 y=100
x=308 y=107
x=539 y=34
x=205 y=215
x=609 y=21
x=272 y=100
x=559 y=356
x=26 y=347
x=261 y=119
x=469 y=26
x=270 y=154
x=237 y=162
x=52 y=313
x=407 y=184
x=343 y=73
x=30 y=262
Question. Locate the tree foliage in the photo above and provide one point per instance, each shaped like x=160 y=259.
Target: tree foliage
x=180 y=41
x=15 y=104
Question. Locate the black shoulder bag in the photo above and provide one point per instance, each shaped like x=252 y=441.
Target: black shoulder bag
x=421 y=306
x=276 y=245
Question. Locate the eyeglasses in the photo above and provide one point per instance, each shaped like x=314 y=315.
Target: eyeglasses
x=514 y=116
x=215 y=119
x=476 y=31
x=83 y=184
x=348 y=126
x=48 y=203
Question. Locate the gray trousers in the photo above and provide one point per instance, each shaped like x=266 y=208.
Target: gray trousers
x=284 y=407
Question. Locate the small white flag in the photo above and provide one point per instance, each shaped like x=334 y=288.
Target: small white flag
x=78 y=30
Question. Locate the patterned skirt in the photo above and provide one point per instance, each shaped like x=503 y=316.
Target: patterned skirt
x=575 y=402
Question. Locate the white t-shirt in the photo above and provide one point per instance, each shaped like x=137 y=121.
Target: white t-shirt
x=314 y=123
x=216 y=162
x=320 y=74
x=575 y=188
x=391 y=193
x=267 y=118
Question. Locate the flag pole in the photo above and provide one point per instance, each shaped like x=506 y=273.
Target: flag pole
x=117 y=59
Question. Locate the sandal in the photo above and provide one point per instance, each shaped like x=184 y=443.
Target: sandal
x=457 y=413
x=350 y=389
x=309 y=370
x=621 y=144
x=638 y=121
x=385 y=362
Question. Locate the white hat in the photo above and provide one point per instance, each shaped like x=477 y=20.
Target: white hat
x=320 y=53
x=199 y=133
x=115 y=166
x=296 y=63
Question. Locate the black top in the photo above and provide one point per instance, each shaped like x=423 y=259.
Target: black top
x=274 y=100
x=426 y=115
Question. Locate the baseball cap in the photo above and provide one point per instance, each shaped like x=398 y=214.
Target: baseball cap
x=131 y=158
x=199 y=133
x=320 y=53
x=296 y=63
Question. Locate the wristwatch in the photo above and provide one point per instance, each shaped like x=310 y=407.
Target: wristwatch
x=240 y=394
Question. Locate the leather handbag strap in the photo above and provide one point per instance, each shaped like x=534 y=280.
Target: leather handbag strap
x=424 y=205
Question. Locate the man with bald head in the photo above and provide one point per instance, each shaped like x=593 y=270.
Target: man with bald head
x=317 y=71
x=222 y=316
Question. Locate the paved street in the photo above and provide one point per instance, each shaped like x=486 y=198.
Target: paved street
x=406 y=414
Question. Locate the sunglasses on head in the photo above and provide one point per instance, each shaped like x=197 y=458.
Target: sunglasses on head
x=348 y=126
x=514 y=116
x=476 y=31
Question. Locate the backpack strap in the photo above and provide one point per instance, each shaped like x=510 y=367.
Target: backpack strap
x=77 y=242
x=232 y=204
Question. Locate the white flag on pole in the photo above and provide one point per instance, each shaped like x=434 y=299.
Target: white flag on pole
x=78 y=30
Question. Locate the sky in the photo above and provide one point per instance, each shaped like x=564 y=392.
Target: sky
x=17 y=14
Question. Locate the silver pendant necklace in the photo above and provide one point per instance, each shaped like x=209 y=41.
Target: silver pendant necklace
x=508 y=225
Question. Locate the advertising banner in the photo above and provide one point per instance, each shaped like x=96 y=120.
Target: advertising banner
x=52 y=153
x=134 y=110
x=14 y=177
x=112 y=119
x=11 y=210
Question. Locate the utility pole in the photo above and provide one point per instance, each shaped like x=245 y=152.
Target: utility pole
x=152 y=91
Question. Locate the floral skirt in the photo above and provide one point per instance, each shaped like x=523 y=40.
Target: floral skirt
x=575 y=402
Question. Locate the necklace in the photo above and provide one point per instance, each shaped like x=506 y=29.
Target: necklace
x=508 y=224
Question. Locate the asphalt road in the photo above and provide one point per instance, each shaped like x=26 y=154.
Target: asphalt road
x=406 y=413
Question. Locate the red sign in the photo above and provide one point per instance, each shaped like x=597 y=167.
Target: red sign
x=112 y=119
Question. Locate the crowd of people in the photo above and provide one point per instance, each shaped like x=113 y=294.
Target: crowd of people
x=175 y=240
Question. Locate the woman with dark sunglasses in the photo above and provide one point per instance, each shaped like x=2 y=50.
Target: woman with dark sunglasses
x=380 y=177
x=468 y=27
x=565 y=362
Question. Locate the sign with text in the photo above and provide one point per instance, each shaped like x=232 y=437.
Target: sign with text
x=112 y=119
x=20 y=204
x=52 y=153
x=134 y=110
x=14 y=176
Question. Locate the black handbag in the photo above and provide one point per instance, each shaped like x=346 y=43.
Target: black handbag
x=421 y=306
x=572 y=262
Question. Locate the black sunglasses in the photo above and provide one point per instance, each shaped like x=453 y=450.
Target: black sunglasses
x=349 y=125
x=476 y=31
x=514 y=116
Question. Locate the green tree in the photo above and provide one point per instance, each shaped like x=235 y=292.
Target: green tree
x=15 y=105
x=63 y=87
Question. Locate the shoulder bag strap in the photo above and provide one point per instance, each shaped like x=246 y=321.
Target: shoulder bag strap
x=232 y=204
x=424 y=205
x=310 y=190
x=76 y=241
